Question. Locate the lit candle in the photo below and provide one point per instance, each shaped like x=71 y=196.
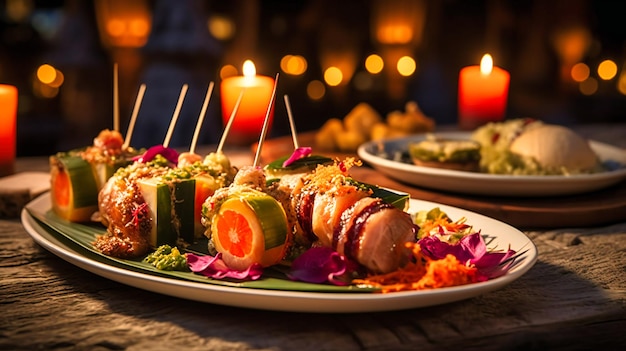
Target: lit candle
x=483 y=93
x=248 y=121
x=8 y=123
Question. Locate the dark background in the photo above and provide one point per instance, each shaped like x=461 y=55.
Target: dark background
x=522 y=36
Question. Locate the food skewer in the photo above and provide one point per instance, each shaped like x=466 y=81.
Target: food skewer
x=179 y=105
x=265 y=123
x=298 y=152
x=205 y=105
x=116 y=100
x=292 y=124
x=133 y=117
x=230 y=121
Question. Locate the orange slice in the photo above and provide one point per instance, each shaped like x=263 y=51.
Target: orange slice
x=251 y=228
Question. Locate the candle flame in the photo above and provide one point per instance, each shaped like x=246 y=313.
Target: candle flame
x=486 y=64
x=248 y=69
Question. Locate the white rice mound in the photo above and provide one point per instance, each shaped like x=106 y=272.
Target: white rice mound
x=556 y=147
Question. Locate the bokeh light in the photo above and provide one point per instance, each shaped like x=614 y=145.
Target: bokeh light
x=333 y=76
x=607 y=70
x=580 y=72
x=406 y=66
x=58 y=80
x=315 y=90
x=47 y=81
x=293 y=64
x=228 y=71
x=139 y=27
x=221 y=27
x=588 y=87
x=18 y=10
x=374 y=64
x=115 y=27
x=46 y=73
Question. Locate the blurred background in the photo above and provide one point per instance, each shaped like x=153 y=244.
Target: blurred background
x=566 y=59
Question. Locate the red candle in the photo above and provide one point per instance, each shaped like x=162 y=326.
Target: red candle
x=8 y=127
x=248 y=123
x=483 y=92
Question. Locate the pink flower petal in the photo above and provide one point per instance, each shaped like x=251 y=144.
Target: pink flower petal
x=297 y=154
x=319 y=265
x=214 y=267
x=471 y=249
x=490 y=265
x=169 y=154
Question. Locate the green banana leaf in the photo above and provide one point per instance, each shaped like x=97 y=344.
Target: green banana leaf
x=81 y=236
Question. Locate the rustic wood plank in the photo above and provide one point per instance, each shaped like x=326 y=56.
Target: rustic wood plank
x=48 y=303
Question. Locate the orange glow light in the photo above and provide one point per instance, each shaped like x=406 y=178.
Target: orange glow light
x=580 y=72
x=588 y=87
x=395 y=34
x=374 y=64
x=221 y=27
x=46 y=74
x=406 y=66
x=228 y=71
x=333 y=76
x=315 y=90
x=123 y=23
x=139 y=27
x=115 y=28
x=607 y=69
x=293 y=64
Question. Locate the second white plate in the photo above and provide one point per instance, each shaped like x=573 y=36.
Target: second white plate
x=489 y=184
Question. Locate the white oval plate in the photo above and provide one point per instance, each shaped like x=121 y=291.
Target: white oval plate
x=489 y=184
x=298 y=301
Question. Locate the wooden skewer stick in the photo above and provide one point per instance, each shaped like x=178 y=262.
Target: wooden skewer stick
x=292 y=124
x=265 y=123
x=116 y=100
x=179 y=105
x=230 y=121
x=133 y=117
x=205 y=105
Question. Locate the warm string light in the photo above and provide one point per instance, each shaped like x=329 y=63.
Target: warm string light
x=47 y=82
x=123 y=23
x=391 y=27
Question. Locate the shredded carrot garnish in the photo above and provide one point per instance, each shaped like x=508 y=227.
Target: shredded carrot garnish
x=424 y=273
x=325 y=177
x=443 y=224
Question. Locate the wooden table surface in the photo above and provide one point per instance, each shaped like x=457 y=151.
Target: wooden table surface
x=574 y=298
